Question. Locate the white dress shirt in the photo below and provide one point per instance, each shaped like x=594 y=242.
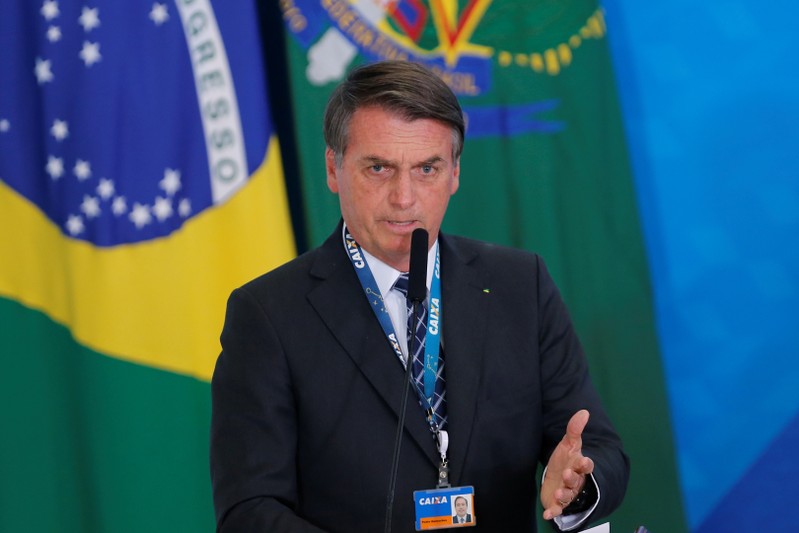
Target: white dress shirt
x=385 y=277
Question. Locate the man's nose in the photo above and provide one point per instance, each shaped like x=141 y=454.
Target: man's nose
x=402 y=192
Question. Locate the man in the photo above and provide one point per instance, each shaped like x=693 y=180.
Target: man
x=307 y=390
x=462 y=515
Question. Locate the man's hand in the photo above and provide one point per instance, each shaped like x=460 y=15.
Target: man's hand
x=567 y=468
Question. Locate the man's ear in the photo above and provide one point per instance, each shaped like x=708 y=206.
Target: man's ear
x=456 y=177
x=330 y=168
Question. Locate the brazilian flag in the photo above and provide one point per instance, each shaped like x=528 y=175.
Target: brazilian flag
x=140 y=182
x=545 y=168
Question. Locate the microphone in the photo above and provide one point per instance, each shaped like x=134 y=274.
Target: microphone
x=417 y=272
x=417 y=293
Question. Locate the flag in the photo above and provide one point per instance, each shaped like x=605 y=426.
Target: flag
x=140 y=182
x=544 y=168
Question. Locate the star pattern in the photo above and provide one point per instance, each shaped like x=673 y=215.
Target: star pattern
x=75 y=225
x=91 y=201
x=55 y=167
x=140 y=215
x=53 y=34
x=171 y=182
x=159 y=14
x=119 y=206
x=90 y=206
x=89 y=18
x=49 y=9
x=90 y=53
x=82 y=169
x=162 y=208
x=59 y=130
x=105 y=189
x=184 y=207
x=43 y=71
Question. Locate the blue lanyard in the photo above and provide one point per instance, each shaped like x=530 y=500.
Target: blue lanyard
x=433 y=340
x=433 y=335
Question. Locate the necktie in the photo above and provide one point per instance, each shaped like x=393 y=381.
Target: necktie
x=419 y=330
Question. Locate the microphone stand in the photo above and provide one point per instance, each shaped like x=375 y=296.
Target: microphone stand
x=400 y=425
x=417 y=293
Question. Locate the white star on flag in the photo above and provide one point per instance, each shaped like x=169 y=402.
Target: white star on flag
x=184 y=207
x=159 y=14
x=162 y=208
x=119 y=206
x=75 y=224
x=105 y=189
x=42 y=70
x=86 y=193
x=171 y=182
x=82 y=169
x=140 y=215
x=49 y=9
x=90 y=53
x=60 y=130
x=90 y=206
x=89 y=18
x=53 y=34
x=55 y=167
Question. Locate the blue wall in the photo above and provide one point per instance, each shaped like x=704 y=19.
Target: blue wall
x=710 y=93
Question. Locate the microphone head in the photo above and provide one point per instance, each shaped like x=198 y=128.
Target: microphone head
x=417 y=272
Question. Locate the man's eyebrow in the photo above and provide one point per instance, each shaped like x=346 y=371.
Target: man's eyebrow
x=376 y=160
x=433 y=160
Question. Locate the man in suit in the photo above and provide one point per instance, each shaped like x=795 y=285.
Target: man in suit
x=462 y=515
x=307 y=390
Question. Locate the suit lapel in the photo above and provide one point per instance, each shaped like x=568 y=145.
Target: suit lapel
x=353 y=323
x=464 y=312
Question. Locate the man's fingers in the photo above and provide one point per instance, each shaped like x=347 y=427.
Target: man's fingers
x=581 y=467
x=552 y=512
x=572 y=464
x=563 y=497
x=585 y=467
x=577 y=424
x=573 y=479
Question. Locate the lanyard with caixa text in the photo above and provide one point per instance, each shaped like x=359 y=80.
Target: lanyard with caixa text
x=432 y=342
x=434 y=508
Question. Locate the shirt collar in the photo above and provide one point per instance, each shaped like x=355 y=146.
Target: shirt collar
x=385 y=275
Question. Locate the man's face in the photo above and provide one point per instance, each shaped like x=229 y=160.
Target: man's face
x=395 y=176
x=460 y=507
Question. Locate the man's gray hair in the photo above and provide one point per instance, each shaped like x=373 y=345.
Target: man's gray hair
x=405 y=88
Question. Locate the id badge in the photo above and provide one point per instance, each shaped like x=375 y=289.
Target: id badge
x=444 y=508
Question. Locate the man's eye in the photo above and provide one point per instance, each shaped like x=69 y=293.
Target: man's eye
x=428 y=170
x=377 y=168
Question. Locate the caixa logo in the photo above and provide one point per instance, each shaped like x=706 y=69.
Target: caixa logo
x=432 y=500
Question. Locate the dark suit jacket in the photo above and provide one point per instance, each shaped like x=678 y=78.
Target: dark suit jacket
x=468 y=519
x=305 y=396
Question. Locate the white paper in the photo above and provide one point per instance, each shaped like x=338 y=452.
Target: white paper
x=601 y=528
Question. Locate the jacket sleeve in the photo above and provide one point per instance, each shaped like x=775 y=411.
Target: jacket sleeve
x=253 y=426
x=568 y=388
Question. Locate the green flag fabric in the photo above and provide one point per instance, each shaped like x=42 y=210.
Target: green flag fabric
x=545 y=168
x=140 y=182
